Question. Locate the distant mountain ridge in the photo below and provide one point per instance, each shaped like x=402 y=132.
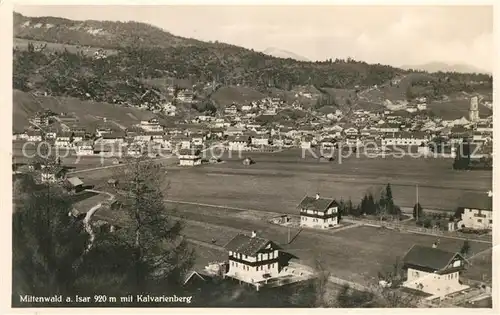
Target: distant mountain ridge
x=280 y=53
x=444 y=67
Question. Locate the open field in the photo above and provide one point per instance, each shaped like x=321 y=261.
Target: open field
x=25 y=105
x=278 y=182
x=355 y=254
x=22 y=44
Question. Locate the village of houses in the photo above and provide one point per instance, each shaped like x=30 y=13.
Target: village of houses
x=258 y=261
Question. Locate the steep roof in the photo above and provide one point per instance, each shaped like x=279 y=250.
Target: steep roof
x=189 y=152
x=75 y=181
x=428 y=257
x=319 y=204
x=248 y=245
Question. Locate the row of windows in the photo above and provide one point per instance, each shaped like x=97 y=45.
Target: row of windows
x=313 y=219
x=260 y=256
x=481 y=221
x=258 y=268
x=451 y=276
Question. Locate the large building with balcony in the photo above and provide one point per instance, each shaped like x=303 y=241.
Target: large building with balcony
x=253 y=259
x=317 y=212
x=433 y=270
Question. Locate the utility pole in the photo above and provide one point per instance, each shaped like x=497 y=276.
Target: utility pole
x=416 y=205
x=288 y=234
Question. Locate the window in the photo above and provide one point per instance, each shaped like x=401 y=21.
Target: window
x=479 y=220
x=491 y=221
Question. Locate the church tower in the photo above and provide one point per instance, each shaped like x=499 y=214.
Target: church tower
x=474 y=111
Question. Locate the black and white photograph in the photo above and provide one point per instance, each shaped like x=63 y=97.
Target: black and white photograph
x=252 y=156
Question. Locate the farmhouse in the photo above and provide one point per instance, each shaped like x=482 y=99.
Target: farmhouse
x=197 y=139
x=63 y=140
x=234 y=131
x=231 y=110
x=20 y=136
x=189 y=157
x=112 y=138
x=52 y=175
x=181 y=142
x=185 y=96
x=252 y=259
x=433 y=271
x=404 y=138
x=477 y=211
x=101 y=130
x=262 y=140
x=317 y=212
x=41 y=120
x=85 y=148
x=152 y=125
x=34 y=136
x=73 y=184
x=134 y=150
x=351 y=131
x=238 y=143
x=388 y=128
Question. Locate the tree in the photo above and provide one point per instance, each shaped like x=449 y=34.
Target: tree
x=371 y=207
x=417 y=211
x=409 y=93
x=159 y=255
x=465 y=248
x=47 y=243
x=350 y=298
x=388 y=201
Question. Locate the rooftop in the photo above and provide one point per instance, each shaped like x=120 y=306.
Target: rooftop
x=428 y=257
x=316 y=203
x=247 y=245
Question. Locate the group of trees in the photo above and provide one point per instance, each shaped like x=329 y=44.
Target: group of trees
x=57 y=253
x=383 y=207
x=54 y=252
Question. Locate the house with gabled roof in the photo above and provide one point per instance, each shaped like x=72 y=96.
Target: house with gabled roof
x=317 y=212
x=477 y=211
x=433 y=270
x=253 y=259
x=189 y=157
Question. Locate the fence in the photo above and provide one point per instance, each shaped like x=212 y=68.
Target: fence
x=416 y=229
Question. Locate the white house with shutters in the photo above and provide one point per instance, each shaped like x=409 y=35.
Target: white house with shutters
x=188 y=157
x=317 y=212
x=433 y=270
x=253 y=259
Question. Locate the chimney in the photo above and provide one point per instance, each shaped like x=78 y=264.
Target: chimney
x=254 y=234
x=317 y=196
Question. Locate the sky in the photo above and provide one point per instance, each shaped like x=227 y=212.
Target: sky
x=394 y=35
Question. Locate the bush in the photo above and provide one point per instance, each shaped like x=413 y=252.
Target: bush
x=419 y=223
x=427 y=223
